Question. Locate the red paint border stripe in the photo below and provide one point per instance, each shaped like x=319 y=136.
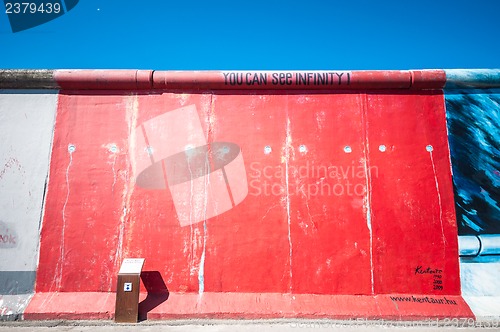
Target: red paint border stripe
x=83 y=305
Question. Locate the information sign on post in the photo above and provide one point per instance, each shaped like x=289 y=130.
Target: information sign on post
x=127 y=291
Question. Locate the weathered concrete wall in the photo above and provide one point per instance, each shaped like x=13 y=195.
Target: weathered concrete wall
x=256 y=193
x=26 y=128
x=246 y=201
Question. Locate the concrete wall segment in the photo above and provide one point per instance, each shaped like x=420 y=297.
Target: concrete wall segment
x=26 y=129
x=263 y=219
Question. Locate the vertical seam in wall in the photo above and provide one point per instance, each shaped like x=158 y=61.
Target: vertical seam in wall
x=448 y=149
x=287 y=190
x=412 y=79
x=201 y=267
x=448 y=152
x=146 y=140
x=366 y=151
x=46 y=187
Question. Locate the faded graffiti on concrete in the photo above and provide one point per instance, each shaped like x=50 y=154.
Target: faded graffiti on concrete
x=8 y=236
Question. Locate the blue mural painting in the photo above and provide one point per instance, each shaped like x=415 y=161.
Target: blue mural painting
x=473 y=118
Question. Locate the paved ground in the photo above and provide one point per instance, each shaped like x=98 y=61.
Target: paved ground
x=247 y=325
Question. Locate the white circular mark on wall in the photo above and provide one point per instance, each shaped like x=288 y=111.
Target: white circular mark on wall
x=149 y=150
x=113 y=148
x=382 y=148
x=71 y=148
x=267 y=149
x=429 y=148
x=347 y=149
x=303 y=148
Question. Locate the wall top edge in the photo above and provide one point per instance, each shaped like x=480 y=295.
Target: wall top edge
x=88 y=79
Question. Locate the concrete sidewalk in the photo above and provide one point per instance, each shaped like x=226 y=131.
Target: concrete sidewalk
x=251 y=325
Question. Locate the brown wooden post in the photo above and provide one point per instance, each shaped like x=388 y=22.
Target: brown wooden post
x=127 y=291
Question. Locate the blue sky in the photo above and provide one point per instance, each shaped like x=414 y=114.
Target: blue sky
x=260 y=34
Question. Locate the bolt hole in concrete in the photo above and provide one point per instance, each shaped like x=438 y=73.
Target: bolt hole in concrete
x=267 y=149
x=347 y=149
x=303 y=148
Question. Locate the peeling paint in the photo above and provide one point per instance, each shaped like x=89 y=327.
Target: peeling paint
x=58 y=276
x=12 y=163
x=287 y=148
x=320 y=120
x=131 y=114
x=438 y=196
x=113 y=150
x=367 y=207
x=201 y=270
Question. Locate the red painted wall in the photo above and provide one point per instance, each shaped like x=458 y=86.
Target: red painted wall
x=316 y=219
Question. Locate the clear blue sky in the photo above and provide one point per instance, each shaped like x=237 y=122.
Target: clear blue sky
x=260 y=34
